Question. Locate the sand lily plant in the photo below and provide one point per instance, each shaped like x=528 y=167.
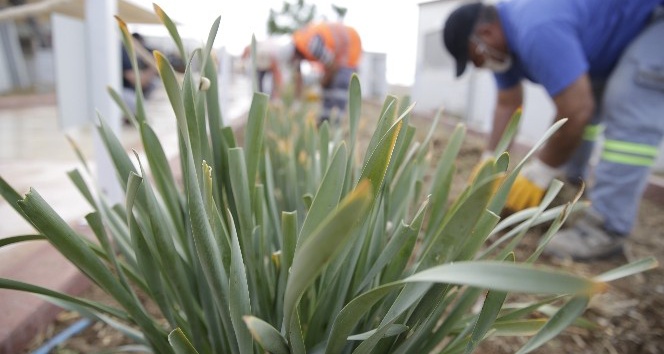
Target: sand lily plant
x=298 y=239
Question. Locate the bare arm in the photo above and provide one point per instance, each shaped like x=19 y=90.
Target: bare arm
x=508 y=101
x=146 y=76
x=576 y=103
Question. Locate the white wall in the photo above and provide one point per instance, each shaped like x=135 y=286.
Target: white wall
x=435 y=85
x=371 y=72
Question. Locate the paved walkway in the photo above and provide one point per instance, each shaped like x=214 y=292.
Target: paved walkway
x=35 y=153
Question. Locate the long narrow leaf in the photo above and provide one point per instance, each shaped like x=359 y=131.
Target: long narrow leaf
x=267 y=336
x=503 y=276
x=318 y=250
x=180 y=343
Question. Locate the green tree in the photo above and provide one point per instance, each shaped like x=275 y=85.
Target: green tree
x=292 y=16
x=340 y=11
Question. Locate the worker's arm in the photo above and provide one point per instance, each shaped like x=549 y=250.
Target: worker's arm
x=146 y=76
x=277 y=80
x=576 y=103
x=508 y=101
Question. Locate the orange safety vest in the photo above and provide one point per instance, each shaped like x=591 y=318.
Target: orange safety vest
x=342 y=41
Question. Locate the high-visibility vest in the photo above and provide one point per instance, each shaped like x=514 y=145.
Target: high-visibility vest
x=342 y=41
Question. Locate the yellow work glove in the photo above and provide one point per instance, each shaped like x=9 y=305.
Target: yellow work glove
x=530 y=185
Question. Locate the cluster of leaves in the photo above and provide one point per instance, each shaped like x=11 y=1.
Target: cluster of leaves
x=296 y=241
x=295 y=15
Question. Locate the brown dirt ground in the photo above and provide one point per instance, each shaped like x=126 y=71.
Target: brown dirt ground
x=630 y=315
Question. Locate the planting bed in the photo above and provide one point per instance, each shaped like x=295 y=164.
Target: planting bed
x=629 y=317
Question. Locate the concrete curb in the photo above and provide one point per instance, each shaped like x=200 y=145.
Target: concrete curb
x=23 y=315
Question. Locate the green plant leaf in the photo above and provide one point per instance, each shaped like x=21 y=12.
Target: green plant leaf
x=556 y=324
x=626 y=270
x=354 y=108
x=323 y=244
x=22 y=238
x=172 y=30
x=368 y=345
x=513 y=328
x=351 y=314
x=390 y=331
x=396 y=243
x=502 y=276
x=328 y=195
x=492 y=304
x=239 y=300
x=34 y=289
x=267 y=336
x=376 y=166
x=509 y=133
x=123 y=165
x=76 y=177
x=442 y=180
x=253 y=143
x=180 y=343
x=128 y=42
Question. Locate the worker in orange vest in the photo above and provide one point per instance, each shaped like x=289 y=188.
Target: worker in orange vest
x=338 y=48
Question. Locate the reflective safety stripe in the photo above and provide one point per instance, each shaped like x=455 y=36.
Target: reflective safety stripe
x=627 y=153
x=631 y=148
x=592 y=131
x=627 y=159
x=336 y=94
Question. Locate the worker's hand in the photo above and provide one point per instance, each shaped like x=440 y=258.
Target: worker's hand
x=530 y=185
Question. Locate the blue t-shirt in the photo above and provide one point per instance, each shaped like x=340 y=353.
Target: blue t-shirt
x=554 y=42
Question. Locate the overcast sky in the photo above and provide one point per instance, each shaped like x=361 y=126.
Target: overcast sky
x=385 y=26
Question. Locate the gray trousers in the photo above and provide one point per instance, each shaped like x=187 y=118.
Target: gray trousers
x=632 y=112
x=336 y=95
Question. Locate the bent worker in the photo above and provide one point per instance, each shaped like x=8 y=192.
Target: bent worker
x=273 y=56
x=338 y=48
x=600 y=61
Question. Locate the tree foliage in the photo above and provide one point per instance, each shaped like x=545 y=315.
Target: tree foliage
x=294 y=15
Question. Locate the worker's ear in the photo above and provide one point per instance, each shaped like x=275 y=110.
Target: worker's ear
x=489 y=33
x=483 y=31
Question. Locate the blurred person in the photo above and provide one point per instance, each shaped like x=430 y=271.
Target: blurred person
x=337 y=48
x=148 y=73
x=600 y=61
x=273 y=56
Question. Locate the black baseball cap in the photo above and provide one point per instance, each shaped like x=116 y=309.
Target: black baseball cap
x=457 y=30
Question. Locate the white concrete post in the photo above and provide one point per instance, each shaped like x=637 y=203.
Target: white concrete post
x=103 y=70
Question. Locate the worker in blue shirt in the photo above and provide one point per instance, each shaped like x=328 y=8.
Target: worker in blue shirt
x=601 y=61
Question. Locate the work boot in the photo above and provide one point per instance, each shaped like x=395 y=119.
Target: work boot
x=586 y=239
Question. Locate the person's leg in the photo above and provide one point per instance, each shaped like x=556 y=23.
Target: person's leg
x=634 y=117
x=633 y=110
x=576 y=169
x=336 y=95
x=260 y=77
x=129 y=98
